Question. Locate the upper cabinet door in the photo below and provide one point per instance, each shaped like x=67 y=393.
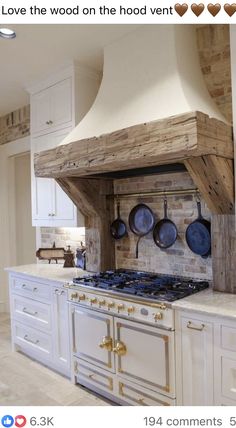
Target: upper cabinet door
x=52 y=108
x=61 y=103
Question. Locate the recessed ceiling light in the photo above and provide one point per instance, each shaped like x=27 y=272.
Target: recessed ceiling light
x=6 y=33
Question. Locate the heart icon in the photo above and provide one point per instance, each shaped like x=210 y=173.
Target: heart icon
x=230 y=8
x=181 y=8
x=20 y=421
x=197 y=8
x=214 y=8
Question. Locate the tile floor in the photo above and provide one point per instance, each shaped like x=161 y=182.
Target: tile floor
x=25 y=382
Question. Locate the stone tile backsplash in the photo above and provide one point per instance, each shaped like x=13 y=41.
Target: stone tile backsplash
x=178 y=259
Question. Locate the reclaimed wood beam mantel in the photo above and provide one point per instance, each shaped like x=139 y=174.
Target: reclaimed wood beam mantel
x=170 y=140
x=203 y=144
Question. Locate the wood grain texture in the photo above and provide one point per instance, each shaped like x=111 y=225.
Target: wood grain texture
x=224 y=253
x=89 y=195
x=214 y=177
x=170 y=140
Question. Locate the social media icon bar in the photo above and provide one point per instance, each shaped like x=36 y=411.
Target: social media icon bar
x=20 y=421
x=7 y=421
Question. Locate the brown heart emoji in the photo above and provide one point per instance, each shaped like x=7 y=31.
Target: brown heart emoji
x=181 y=8
x=197 y=8
x=230 y=8
x=214 y=8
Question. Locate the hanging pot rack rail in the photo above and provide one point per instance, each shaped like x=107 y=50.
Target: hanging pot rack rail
x=161 y=193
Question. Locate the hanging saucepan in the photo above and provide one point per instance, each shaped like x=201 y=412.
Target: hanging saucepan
x=165 y=232
x=141 y=222
x=118 y=227
x=198 y=235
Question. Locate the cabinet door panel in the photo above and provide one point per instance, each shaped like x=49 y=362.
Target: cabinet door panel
x=61 y=328
x=61 y=102
x=197 y=362
x=43 y=208
x=149 y=356
x=89 y=329
x=40 y=111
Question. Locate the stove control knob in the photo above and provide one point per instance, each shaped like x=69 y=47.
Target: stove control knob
x=158 y=316
x=74 y=295
x=81 y=297
x=110 y=305
x=102 y=302
x=130 y=309
x=93 y=300
x=120 y=307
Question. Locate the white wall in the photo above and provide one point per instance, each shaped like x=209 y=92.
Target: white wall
x=8 y=253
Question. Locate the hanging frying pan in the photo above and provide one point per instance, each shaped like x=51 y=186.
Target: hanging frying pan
x=141 y=222
x=118 y=227
x=198 y=235
x=165 y=232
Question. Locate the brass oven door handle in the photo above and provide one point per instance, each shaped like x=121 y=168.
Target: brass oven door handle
x=120 y=349
x=192 y=327
x=106 y=343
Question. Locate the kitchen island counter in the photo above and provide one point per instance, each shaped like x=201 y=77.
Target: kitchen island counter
x=53 y=272
x=209 y=302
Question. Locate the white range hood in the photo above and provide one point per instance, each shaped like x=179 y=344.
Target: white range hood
x=150 y=74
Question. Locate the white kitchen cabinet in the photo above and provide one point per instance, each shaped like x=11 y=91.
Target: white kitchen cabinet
x=194 y=359
x=40 y=321
x=58 y=103
x=52 y=107
x=50 y=204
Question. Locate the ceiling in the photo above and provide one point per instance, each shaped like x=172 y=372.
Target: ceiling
x=38 y=50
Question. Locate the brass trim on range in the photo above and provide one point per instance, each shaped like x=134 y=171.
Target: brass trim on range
x=151 y=304
x=140 y=401
x=159 y=193
x=165 y=338
x=92 y=376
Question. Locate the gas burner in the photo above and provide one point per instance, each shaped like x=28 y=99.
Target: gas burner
x=143 y=284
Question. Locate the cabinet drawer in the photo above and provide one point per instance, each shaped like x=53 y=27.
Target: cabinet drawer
x=135 y=395
x=32 y=289
x=228 y=377
x=31 y=312
x=86 y=373
x=228 y=338
x=32 y=340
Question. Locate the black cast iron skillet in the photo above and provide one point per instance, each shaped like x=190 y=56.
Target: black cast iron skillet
x=198 y=235
x=118 y=227
x=141 y=222
x=165 y=232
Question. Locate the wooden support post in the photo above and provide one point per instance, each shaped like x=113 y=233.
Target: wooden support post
x=89 y=195
x=224 y=253
x=214 y=177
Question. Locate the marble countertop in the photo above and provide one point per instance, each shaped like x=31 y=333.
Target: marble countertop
x=53 y=272
x=209 y=302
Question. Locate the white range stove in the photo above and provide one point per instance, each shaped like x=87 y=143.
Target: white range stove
x=122 y=334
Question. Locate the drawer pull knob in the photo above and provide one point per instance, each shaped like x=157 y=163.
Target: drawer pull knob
x=49 y=122
x=106 y=343
x=192 y=327
x=35 y=342
x=26 y=311
x=120 y=349
x=91 y=375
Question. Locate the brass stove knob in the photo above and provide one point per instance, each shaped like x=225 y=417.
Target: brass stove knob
x=93 y=300
x=158 y=316
x=110 y=305
x=74 y=295
x=120 y=306
x=130 y=309
x=81 y=297
x=102 y=302
x=120 y=349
